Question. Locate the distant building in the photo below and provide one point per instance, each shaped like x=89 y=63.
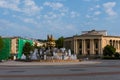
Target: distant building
x=13 y=47
x=39 y=44
x=17 y=44
x=91 y=42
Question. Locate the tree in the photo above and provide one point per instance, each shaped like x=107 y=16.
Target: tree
x=109 y=50
x=59 y=42
x=26 y=49
x=1 y=43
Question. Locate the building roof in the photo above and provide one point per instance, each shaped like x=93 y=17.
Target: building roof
x=94 y=32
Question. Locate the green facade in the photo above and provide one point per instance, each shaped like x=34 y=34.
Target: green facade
x=21 y=43
x=5 y=52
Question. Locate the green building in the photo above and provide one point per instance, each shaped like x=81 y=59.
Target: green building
x=21 y=43
x=13 y=47
x=5 y=52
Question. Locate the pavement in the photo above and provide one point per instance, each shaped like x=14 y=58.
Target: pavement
x=20 y=63
x=84 y=70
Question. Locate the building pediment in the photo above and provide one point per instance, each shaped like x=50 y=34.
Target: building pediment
x=94 y=32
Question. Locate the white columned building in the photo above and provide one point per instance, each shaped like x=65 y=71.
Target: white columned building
x=91 y=42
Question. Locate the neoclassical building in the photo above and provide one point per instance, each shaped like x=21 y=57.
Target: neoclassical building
x=91 y=42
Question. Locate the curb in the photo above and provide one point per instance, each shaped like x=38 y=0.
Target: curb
x=14 y=63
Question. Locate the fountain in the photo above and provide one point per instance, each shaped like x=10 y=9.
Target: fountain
x=23 y=57
x=34 y=55
x=69 y=52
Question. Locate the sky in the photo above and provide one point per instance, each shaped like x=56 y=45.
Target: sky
x=38 y=18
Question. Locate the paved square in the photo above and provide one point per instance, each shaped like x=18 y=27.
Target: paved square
x=98 y=70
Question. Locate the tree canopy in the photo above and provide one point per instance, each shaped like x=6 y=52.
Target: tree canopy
x=109 y=50
x=1 y=43
x=59 y=42
x=26 y=49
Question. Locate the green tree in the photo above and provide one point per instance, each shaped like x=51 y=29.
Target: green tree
x=26 y=49
x=1 y=43
x=59 y=42
x=109 y=50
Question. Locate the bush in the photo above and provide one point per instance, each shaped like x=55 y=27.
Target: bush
x=109 y=50
x=108 y=57
x=117 y=55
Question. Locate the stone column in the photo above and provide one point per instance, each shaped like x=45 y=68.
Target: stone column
x=100 y=47
x=116 y=45
x=91 y=46
x=83 y=46
x=76 y=46
x=119 y=45
x=112 y=42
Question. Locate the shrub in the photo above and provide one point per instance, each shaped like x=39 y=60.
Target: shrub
x=109 y=50
x=117 y=55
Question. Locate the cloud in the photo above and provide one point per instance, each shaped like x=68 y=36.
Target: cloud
x=97 y=6
x=88 y=16
x=97 y=13
x=30 y=7
x=74 y=14
x=51 y=15
x=109 y=8
x=13 y=29
x=54 y=5
x=25 y=6
x=94 y=8
x=91 y=9
x=93 y=12
x=29 y=20
x=58 y=10
x=50 y=18
x=10 y=4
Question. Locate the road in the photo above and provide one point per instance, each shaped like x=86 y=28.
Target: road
x=105 y=70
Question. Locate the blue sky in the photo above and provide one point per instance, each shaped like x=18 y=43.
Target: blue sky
x=37 y=18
